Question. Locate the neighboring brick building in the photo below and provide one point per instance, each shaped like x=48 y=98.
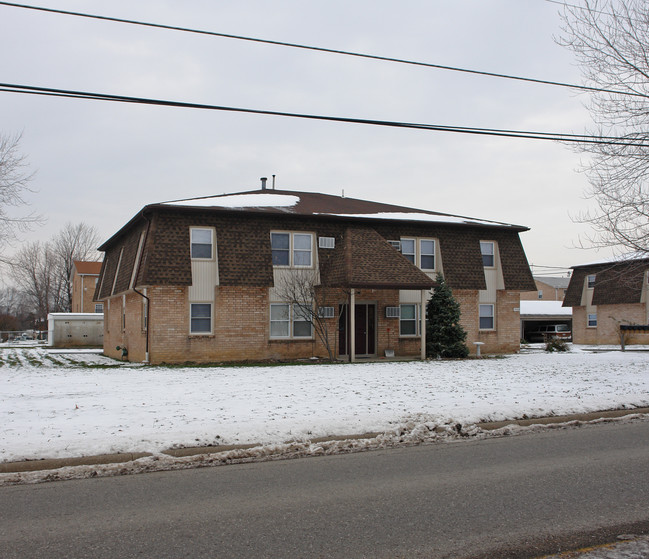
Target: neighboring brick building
x=547 y=289
x=606 y=295
x=204 y=279
x=84 y=281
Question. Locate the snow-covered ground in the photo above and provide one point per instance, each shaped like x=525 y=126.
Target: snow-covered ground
x=57 y=404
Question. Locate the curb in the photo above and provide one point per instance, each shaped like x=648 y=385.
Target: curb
x=55 y=463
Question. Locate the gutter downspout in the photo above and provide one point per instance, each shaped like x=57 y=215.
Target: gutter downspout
x=148 y=301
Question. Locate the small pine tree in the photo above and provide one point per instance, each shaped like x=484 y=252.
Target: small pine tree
x=444 y=335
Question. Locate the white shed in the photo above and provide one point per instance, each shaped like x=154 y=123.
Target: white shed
x=75 y=329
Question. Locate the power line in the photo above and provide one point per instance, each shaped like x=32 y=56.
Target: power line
x=321 y=49
x=568 y=138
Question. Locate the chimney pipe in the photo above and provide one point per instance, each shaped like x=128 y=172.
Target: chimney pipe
x=263 y=183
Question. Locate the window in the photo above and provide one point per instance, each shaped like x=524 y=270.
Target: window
x=292 y=249
x=592 y=320
x=591 y=281
x=279 y=320
x=540 y=294
x=486 y=317
x=279 y=243
x=420 y=252
x=488 y=252
x=302 y=249
x=123 y=313
x=99 y=307
x=201 y=240
x=408 y=249
x=427 y=254
x=301 y=322
x=200 y=318
x=289 y=321
x=408 y=320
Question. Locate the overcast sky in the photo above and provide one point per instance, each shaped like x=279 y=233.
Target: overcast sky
x=100 y=162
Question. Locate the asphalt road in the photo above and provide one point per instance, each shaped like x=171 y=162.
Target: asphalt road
x=517 y=496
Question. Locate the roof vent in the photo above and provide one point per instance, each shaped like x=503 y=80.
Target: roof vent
x=263 y=183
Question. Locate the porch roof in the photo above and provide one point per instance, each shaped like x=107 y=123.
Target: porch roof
x=366 y=260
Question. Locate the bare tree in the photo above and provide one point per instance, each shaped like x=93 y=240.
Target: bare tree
x=14 y=184
x=611 y=41
x=33 y=272
x=73 y=242
x=301 y=289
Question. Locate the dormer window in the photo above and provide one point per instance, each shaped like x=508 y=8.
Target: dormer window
x=420 y=252
x=487 y=249
x=201 y=241
x=591 y=281
x=292 y=249
x=408 y=249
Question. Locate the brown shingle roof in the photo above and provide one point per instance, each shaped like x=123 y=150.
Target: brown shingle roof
x=365 y=259
x=314 y=203
x=616 y=283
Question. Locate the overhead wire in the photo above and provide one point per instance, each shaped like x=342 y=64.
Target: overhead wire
x=320 y=49
x=570 y=138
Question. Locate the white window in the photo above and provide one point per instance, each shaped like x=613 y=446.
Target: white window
x=279 y=320
x=591 y=281
x=540 y=294
x=200 y=318
x=486 y=317
x=99 y=307
x=592 y=320
x=426 y=254
x=408 y=323
x=202 y=243
x=487 y=249
x=301 y=322
x=289 y=321
x=420 y=252
x=408 y=249
x=302 y=247
x=292 y=249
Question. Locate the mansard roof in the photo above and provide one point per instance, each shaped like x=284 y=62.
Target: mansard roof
x=617 y=281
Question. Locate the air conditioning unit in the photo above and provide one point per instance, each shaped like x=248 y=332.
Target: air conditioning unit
x=392 y=312
x=396 y=244
x=327 y=242
x=325 y=312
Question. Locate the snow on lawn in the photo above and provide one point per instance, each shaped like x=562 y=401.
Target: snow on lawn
x=55 y=404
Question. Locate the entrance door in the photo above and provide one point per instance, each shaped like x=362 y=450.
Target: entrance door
x=365 y=329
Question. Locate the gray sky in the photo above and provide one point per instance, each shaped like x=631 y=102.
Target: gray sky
x=100 y=162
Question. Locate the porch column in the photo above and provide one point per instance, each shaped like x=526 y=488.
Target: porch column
x=422 y=317
x=352 y=325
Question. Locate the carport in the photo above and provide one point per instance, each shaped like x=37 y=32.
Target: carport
x=539 y=313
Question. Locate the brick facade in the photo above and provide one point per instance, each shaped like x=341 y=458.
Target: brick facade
x=609 y=319
x=151 y=255
x=505 y=338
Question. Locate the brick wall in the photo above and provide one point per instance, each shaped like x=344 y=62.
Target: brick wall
x=506 y=337
x=549 y=293
x=609 y=318
x=241 y=326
